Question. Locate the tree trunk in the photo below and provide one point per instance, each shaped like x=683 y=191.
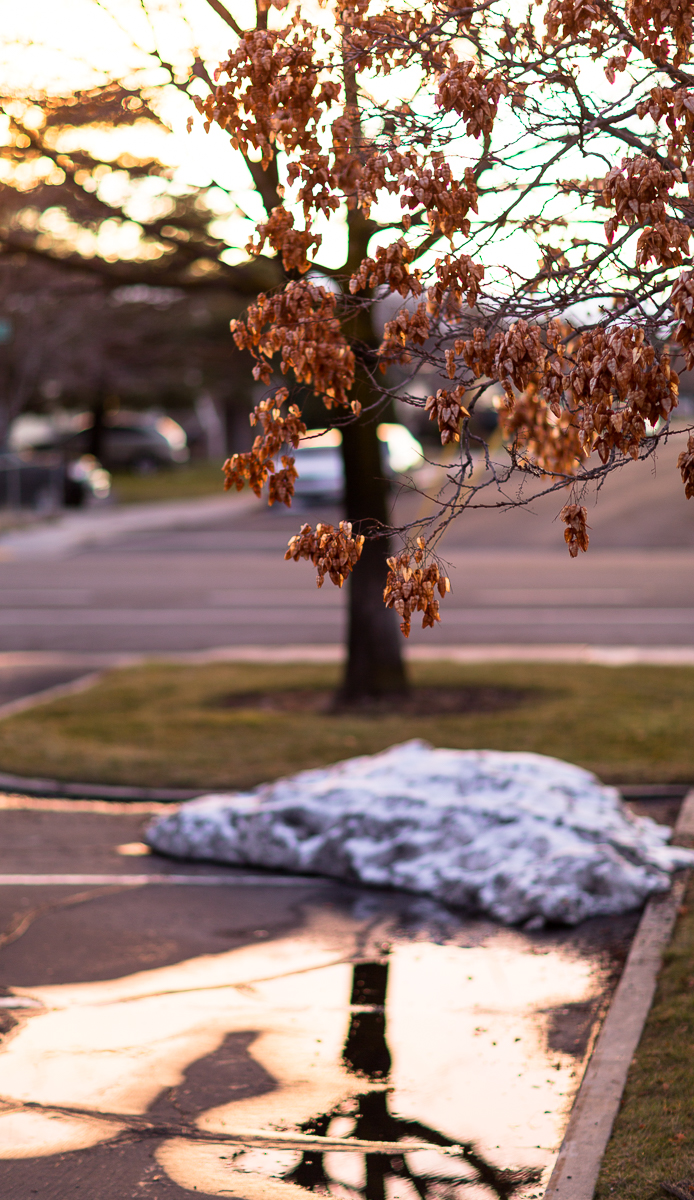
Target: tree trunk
x=96 y=433
x=375 y=666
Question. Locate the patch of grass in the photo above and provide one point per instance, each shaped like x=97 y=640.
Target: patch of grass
x=169 y=725
x=175 y=483
x=653 y=1137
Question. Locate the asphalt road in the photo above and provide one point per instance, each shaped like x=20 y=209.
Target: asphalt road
x=189 y=1012
x=219 y=579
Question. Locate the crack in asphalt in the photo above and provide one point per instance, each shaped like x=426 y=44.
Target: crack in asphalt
x=20 y=922
x=144 y=1127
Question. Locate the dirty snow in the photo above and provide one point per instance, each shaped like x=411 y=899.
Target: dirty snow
x=520 y=837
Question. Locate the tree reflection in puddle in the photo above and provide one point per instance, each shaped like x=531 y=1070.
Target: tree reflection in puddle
x=368 y=1117
x=277 y=1070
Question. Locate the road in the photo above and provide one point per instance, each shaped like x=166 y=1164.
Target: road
x=170 y=1040
x=219 y=579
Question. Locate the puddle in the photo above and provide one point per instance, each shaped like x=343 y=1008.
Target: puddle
x=352 y=1059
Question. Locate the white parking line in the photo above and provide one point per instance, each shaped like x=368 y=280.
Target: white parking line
x=142 y=880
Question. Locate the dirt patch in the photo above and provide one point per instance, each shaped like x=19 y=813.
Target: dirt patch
x=420 y=702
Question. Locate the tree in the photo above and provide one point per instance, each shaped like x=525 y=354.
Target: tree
x=472 y=123
x=451 y=146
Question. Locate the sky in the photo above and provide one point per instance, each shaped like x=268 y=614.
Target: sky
x=56 y=45
x=69 y=44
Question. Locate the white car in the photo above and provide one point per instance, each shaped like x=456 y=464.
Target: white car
x=319 y=460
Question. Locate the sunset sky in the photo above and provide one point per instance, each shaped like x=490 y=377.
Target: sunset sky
x=58 y=45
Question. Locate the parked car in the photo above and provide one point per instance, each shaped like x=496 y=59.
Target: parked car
x=139 y=442
x=41 y=480
x=319 y=461
x=31 y=481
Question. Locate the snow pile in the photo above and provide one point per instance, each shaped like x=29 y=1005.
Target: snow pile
x=521 y=837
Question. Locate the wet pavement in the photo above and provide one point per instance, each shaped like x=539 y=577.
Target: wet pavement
x=266 y=1037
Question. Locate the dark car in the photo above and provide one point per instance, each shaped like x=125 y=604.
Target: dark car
x=31 y=480
x=41 y=480
x=129 y=441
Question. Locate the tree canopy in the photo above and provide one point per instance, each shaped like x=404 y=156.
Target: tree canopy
x=460 y=144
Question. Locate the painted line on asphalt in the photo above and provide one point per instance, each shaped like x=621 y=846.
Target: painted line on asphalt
x=293 y=613
x=576 y=1171
x=144 y=880
x=111 y=808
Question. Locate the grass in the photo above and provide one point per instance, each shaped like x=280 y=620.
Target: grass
x=166 y=725
x=176 y=483
x=653 y=1137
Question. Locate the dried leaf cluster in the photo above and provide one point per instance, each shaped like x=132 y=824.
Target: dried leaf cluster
x=273 y=95
x=618 y=385
x=603 y=400
x=676 y=107
x=644 y=23
x=456 y=278
x=543 y=437
x=412 y=588
x=389 y=267
x=256 y=465
x=685 y=463
x=294 y=245
x=682 y=301
x=650 y=19
x=334 y=552
x=448 y=409
x=639 y=191
x=473 y=93
x=301 y=325
x=447 y=201
x=406 y=330
x=574 y=517
x=512 y=358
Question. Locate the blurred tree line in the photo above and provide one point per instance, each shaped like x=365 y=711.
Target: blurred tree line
x=97 y=307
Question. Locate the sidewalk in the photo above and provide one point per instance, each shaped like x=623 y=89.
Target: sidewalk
x=57 y=536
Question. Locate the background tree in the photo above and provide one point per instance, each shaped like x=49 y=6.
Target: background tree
x=69 y=339
x=82 y=220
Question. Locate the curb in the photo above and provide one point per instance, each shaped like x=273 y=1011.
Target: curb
x=34 y=699
x=576 y=1170
x=18 y=785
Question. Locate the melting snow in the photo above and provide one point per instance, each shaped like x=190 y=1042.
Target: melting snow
x=520 y=837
